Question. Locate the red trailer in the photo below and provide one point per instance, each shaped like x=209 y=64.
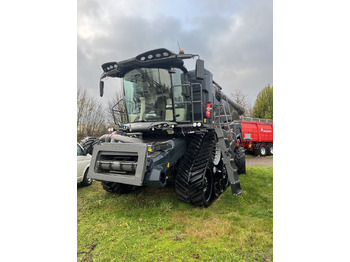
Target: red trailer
x=257 y=137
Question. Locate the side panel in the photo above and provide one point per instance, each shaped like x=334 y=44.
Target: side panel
x=258 y=132
x=266 y=132
x=166 y=159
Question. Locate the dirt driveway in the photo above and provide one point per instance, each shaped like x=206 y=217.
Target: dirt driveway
x=259 y=161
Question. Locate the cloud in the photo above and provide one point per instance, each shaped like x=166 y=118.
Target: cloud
x=233 y=37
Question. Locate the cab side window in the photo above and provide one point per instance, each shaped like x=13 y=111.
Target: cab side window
x=182 y=96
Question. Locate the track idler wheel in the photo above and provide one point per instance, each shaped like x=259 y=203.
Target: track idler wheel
x=218 y=187
x=208 y=186
x=220 y=178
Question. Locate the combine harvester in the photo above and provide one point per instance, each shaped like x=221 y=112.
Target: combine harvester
x=177 y=130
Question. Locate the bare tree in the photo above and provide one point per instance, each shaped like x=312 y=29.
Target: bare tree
x=115 y=111
x=91 y=117
x=241 y=99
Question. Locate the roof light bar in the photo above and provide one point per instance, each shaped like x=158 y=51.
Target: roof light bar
x=154 y=54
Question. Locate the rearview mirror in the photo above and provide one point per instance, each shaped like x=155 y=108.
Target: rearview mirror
x=200 y=69
x=101 y=88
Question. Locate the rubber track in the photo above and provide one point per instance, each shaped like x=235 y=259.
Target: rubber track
x=192 y=168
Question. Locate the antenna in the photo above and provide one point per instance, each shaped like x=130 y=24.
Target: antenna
x=178 y=45
x=180 y=50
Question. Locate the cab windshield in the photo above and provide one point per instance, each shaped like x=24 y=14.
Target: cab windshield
x=148 y=95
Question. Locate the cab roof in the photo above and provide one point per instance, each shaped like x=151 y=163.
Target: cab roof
x=157 y=58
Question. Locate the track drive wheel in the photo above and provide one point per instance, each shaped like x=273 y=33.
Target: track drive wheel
x=208 y=185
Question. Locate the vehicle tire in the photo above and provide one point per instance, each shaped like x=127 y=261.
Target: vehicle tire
x=239 y=157
x=262 y=150
x=118 y=188
x=194 y=180
x=88 y=143
x=270 y=149
x=87 y=181
x=256 y=149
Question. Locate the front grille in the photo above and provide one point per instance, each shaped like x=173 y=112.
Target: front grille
x=118 y=164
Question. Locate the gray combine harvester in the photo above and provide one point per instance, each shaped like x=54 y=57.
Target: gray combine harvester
x=180 y=127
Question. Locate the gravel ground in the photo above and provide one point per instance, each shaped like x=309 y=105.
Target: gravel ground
x=259 y=161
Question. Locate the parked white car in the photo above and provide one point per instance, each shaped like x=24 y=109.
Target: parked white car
x=83 y=166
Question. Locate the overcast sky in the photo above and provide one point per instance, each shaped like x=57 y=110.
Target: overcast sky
x=234 y=38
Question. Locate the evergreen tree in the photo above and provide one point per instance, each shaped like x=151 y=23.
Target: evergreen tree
x=263 y=107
